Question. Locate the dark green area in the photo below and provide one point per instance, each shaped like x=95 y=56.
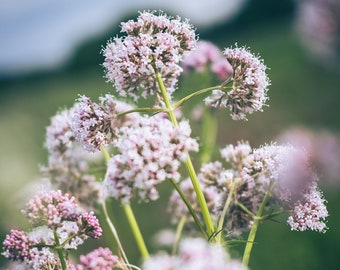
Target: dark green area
x=302 y=93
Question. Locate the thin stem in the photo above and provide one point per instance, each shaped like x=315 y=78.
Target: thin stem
x=136 y=231
x=59 y=250
x=145 y=109
x=179 y=231
x=253 y=231
x=224 y=211
x=133 y=223
x=190 y=168
x=115 y=234
x=191 y=210
x=208 y=137
x=199 y=92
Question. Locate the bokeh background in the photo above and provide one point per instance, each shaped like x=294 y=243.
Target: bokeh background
x=50 y=53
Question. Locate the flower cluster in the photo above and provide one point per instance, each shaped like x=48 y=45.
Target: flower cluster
x=100 y=258
x=96 y=125
x=205 y=57
x=56 y=221
x=68 y=167
x=150 y=151
x=194 y=254
x=281 y=171
x=142 y=151
x=318 y=25
x=323 y=147
x=152 y=42
x=249 y=85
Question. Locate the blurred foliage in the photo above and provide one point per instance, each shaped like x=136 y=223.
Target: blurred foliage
x=302 y=93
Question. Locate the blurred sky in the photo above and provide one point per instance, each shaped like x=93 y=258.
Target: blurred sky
x=40 y=34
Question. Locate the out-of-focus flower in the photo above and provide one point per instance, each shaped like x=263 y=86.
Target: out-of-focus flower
x=323 y=147
x=68 y=167
x=150 y=151
x=153 y=41
x=100 y=258
x=249 y=85
x=207 y=56
x=318 y=26
x=194 y=254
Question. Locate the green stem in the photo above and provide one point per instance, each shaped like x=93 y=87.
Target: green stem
x=253 y=231
x=179 y=231
x=197 y=93
x=199 y=193
x=136 y=231
x=146 y=109
x=224 y=212
x=59 y=250
x=131 y=219
x=208 y=137
x=115 y=234
x=191 y=210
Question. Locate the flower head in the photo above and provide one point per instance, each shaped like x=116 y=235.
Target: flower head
x=150 y=152
x=100 y=258
x=152 y=42
x=89 y=225
x=194 y=254
x=51 y=209
x=68 y=167
x=310 y=212
x=207 y=55
x=249 y=85
x=17 y=246
x=95 y=125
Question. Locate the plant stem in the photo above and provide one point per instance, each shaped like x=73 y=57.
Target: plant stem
x=136 y=231
x=253 y=230
x=191 y=210
x=199 y=92
x=146 y=109
x=131 y=219
x=115 y=235
x=208 y=137
x=202 y=202
x=179 y=230
x=59 y=250
x=224 y=211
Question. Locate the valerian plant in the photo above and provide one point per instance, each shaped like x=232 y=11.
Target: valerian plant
x=141 y=147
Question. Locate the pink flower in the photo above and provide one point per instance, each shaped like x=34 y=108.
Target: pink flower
x=153 y=41
x=206 y=56
x=51 y=209
x=249 y=85
x=100 y=258
x=150 y=152
x=95 y=125
x=310 y=212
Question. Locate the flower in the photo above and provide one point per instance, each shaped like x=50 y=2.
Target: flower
x=310 y=212
x=207 y=54
x=194 y=254
x=68 y=167
x=95 y=125
x=152 y=42
x=89 y=225
x=51 y=209
x=100 y=258
x=17 y=246
x=150 y=151
x=249 y=85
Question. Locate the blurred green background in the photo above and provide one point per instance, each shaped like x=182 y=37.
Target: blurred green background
x=303 y=93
